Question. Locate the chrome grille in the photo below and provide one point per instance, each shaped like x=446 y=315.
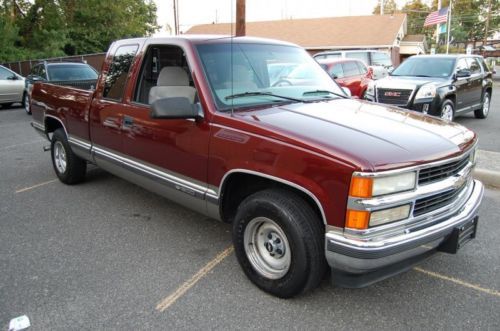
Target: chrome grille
x=393 y=96
x=434 y=174
x=434 y=202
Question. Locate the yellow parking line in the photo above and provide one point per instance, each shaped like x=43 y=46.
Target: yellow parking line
x=35 y=186
x=172 y=298
x=458 y=282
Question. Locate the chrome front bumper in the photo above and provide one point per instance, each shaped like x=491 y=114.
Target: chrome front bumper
x=356 y=256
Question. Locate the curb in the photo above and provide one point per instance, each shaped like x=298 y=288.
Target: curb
x=487 y=177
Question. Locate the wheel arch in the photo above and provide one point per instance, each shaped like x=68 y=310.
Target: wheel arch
x=53 y=123
x=238 y=184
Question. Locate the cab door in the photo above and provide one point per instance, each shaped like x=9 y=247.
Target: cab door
x=169 y=156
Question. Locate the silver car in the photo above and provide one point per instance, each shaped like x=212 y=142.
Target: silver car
x=11 y=87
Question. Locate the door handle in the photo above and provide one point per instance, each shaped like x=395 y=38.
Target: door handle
x=128 y=121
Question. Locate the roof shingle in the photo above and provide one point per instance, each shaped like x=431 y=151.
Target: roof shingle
x=348 y=31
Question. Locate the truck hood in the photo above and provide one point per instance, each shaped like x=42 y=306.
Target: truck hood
x=367 y=135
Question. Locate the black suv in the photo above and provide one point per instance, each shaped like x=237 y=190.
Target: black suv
x=79 y=75
x=439 y=85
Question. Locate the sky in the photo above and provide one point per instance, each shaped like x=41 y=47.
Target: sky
x=193 y=12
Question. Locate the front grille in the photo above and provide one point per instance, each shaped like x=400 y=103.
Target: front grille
x=434 y=202
x=433 y=174
x=88 y=84
x=393 y=96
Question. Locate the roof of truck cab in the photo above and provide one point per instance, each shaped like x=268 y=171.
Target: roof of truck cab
x=206 y=38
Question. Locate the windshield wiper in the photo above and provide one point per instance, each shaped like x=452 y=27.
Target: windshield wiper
x=253 y=94
x=327 y=92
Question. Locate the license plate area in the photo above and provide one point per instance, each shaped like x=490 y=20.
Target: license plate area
x=459 y=237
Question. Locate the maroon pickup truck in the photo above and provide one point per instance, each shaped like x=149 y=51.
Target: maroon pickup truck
x=309 y=178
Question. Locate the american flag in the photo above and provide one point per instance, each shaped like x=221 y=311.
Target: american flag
x=436 y=17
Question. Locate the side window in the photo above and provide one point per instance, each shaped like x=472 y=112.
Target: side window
x=34 y=70
x=164 y=73
x=363 y=56
x=473 y=66
x=116 y=78
x=336 y=71
x=462 y=65
x=350 y=69
x=362 y=68
x=4 y=74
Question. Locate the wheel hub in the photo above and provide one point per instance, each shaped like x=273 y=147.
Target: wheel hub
x=267 y=248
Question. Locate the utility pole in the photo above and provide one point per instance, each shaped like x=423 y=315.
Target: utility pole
x=487 y=24
x=240 y=18
x=381 y=7
x=448 y=26
x=176 y=18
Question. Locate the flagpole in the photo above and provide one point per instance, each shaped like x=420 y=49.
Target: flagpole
x=448 y=27
x=437 y=26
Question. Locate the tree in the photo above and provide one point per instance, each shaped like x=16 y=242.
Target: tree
x=48 y=28
x=416 y=12
x=390 y=7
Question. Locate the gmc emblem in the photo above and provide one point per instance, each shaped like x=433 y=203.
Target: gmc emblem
x=392 y=94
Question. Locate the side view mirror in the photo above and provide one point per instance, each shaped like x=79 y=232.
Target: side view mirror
x=13 y=77
x=347 y=91
x=462 y=73
x=174 y=108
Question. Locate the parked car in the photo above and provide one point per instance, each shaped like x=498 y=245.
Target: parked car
x=309 y=178
x=349 y=73
x=11 y=87
x=380 y=62
x=60 y=73
x=439 y=85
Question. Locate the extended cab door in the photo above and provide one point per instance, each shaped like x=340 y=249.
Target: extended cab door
x=169 y=156
x=106 y=114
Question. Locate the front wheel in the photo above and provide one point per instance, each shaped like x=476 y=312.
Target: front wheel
x=447 y=110
x=69 y=168
x=485 y=109
x=279 y=243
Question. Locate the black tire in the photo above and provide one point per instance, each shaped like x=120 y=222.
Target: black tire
x=483 y=112
x=74 y=168
x=304 y=235
x=444 y=112
x=26 y=103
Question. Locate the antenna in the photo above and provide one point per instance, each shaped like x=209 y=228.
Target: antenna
x=231 y=68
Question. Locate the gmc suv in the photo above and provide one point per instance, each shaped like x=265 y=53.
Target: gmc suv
x=439 y=85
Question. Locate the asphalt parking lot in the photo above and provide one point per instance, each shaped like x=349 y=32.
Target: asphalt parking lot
x=107 y=254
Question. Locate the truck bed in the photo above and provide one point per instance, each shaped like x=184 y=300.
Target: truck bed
x=69 y=103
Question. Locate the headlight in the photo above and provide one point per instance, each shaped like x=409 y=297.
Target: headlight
x=472 y=156
x=367 y=187
x=370 y=90
x=426 y=91
x=380 y=217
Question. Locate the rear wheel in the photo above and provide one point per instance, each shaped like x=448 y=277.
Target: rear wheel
x=447 y=110
x=485 y=108
x=26 y=103
x=279 y=243
x=69 y=168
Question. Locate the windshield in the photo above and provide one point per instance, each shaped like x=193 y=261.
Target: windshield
x=71 y=72
x=425 y=67
x=260 y=74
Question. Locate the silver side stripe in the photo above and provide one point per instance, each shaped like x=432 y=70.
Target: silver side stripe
x=170 y=180
x=80 y=143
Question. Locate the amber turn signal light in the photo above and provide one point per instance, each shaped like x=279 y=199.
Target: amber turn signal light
x=357 y=219
x=361 y=187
